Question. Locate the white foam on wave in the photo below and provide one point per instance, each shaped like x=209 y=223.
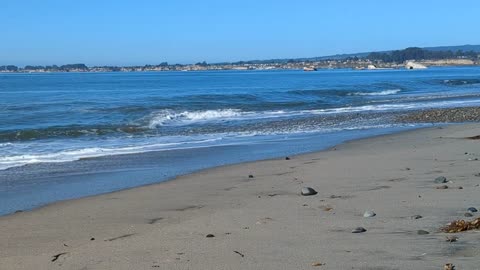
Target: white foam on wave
x=165 y=117
x=14 y=159
x=170 y=117
x=396 y=107
x=380 y=93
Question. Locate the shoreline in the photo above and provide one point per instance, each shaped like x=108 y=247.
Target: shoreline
x=148 y=168
x=220 y=167
x=265 y=219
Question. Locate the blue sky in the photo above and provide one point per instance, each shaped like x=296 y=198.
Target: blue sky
x=121 y=32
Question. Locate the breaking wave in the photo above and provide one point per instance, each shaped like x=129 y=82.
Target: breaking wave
x=381 y=93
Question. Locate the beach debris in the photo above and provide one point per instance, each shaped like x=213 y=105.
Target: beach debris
x=416 y=217
x=449 y=266
x=55 y=257
x=442 y=187
x=250 y=176
x=263 y=220
x=468 y=214
x=210 y=235
x=407 y=169
x=422 y=232
x=451 y=238
x=326 y=208
x=239 y=253
x=317 y=264
x=92 y=239
x=308 y=191
x=369 y=213
x=287 y=158
x=461 y=226
x=440 y=180
x=472 y=209
x=359 y=230
x=460 y=187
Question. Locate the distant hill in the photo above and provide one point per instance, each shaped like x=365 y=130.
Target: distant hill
x=475 y=48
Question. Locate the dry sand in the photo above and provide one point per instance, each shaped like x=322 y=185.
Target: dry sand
x=263 y=222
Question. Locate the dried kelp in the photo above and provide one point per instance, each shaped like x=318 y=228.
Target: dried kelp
x=461 y=226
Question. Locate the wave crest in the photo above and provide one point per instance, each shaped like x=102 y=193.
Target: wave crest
x=380 y=93
x=166 y=117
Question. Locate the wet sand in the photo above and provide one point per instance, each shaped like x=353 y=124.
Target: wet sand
x=262 y=222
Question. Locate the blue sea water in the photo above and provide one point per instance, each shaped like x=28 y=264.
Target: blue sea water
x=51 y=123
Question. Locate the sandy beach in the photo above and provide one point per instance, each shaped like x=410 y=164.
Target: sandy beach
x=258 y=219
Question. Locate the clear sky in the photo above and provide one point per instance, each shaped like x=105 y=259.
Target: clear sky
x=127 y=32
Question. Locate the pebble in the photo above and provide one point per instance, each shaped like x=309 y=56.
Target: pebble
x=422 y=232
x=472 y=209
x=443 y=187
x=308 y=191
x=359 y=230
x=468 y=214
x=287 y=158
x=250 y=176
x=210 y=235
x=416 y=217
x=440 y=180
x=369 y=213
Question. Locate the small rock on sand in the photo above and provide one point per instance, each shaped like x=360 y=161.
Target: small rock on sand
x=308 y=191
x=369 y=213
x=416 y=217
x=468 y=214
x=250 y=176
x=472 y=209
x=210 y=235
x=440 y=180
x=422 y=232
x=443 y=187
x=287 y=158
x=359 y=230
x=451 y=238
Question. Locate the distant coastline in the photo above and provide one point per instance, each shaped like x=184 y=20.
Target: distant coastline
x=374 y=60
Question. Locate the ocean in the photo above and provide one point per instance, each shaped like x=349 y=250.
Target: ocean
x=70 y=135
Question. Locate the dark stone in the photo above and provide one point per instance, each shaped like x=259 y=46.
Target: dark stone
x=416 y=217
x=422 y=232
x=210 y=235
x=468 y=214
x=287 y=158
x=93 y=238
x=440 y=180
x=472 y=209
x=308 y=191
x=250 y=176
x=359 y=230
